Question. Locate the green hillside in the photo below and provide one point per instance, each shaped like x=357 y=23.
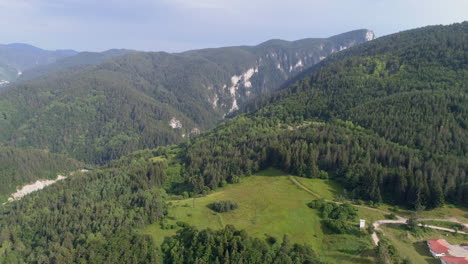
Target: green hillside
x=412 y=152
x=383 y=121
x=270 y=205
x=141 y=100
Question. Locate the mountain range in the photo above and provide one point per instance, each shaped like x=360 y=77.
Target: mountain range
x=100 y=109
x=379 y=124
x=18 y=57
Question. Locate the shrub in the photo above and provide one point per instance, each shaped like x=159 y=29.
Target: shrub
x=391 y=216
x=223 y=206
x=182 y=224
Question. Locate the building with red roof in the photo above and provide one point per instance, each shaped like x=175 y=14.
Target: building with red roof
x=438 y=247
x=453 y=260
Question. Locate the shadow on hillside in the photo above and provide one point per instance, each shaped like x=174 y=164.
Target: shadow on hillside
x=271 y=172
x=334 y=187
x=422 y=250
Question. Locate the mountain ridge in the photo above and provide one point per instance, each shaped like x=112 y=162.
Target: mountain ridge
x=21 y=57
x=149 y=91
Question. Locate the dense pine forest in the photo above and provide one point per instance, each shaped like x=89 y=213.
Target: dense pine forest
x=23 y=166
x=231 y=246
x=386 y=119
x=88 y=218
x=404 y=138
x=101 y=106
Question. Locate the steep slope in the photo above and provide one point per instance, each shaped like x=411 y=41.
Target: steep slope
x=140 y=100
x=264 y=68
x=92 y=217
x=23 y=56
x=403 y=99
x=22 y=166
x=416 y=78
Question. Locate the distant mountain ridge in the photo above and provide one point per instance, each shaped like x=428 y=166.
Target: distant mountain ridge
x=21 y=57
x=144 y=99
x=80 y=59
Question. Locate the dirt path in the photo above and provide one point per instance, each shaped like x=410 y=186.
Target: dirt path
x=443 y=229
x=451 y=219
x=403 y=221
x=303 y=187
x=377 y=224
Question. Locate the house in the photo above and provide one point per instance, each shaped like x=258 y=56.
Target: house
x=438 y=247
x=362 y=223
x=453 y=260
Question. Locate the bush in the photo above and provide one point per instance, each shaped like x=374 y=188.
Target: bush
x=223 y=206
x=270 y=239
x=182 y=224
x=317 y=204
x=323 y=175
x=339 y=226
x=391 y=216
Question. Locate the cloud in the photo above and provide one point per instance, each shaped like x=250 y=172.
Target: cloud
x=197 y=4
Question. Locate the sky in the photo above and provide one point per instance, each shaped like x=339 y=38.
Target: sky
x=177 y=25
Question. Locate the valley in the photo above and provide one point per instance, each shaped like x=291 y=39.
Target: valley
x=271 y=153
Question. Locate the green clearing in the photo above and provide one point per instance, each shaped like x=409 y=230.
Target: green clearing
x=413 y=246
x=273 y=204
x=270 y=204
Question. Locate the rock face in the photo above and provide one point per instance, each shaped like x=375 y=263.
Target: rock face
x=370 y=35
x=38 y=185
x=271 y=63
x=174 y=123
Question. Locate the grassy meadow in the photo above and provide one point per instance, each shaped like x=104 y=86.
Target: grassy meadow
x=271 y=204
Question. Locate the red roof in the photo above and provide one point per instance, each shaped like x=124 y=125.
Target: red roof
x=455 y=260
x=438 y=246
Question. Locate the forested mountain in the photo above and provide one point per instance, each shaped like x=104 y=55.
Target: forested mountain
x=142 y=100
x=80 y=59
x=23 y=166
x=403 y=98
x=21 y=57
x=323 y=123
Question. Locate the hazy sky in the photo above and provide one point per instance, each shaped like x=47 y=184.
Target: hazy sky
x=175 y=25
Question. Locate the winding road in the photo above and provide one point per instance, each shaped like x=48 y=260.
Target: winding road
x=403 y=221
x=399 y=221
